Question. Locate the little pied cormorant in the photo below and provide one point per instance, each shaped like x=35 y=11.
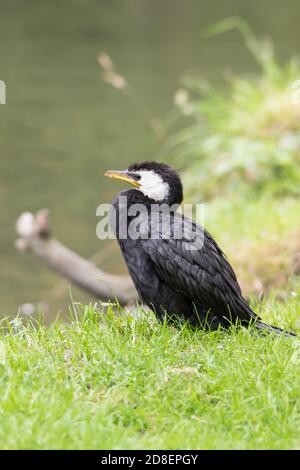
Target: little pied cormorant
x=198 y=286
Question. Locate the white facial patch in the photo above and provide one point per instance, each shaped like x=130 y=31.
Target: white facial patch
x=152 y=185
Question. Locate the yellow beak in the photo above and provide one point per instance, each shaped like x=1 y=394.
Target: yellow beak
x=122 y=176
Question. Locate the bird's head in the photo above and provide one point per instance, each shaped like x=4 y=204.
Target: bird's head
x=157 y=181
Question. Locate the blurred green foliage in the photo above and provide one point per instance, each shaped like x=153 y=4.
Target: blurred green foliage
x=243 y=138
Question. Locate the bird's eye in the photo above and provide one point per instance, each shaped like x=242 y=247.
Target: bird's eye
x=134 y=176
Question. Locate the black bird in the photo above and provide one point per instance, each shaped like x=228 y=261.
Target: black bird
x=173 y=275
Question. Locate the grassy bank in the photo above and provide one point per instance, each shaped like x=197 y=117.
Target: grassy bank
x=107 y=382
x=261 y=237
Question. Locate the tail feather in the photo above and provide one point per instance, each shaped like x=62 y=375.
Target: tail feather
x=260 y=325
x=257 y=321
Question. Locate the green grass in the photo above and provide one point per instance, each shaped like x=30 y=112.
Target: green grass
x=121 y=382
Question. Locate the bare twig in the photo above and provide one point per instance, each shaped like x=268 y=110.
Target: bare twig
x=35 y=236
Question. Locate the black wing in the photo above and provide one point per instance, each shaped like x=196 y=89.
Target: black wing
x=188 y=260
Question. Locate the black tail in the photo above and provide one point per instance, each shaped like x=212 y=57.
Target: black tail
x=260 y=325
x=257 y=322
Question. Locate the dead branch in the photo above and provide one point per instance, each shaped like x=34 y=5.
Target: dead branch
x=35 y=236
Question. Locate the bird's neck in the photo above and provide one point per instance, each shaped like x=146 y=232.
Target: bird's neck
x=134 y=196
x=132 y=204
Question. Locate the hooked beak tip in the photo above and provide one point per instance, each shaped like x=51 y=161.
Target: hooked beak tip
x=109 y=174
